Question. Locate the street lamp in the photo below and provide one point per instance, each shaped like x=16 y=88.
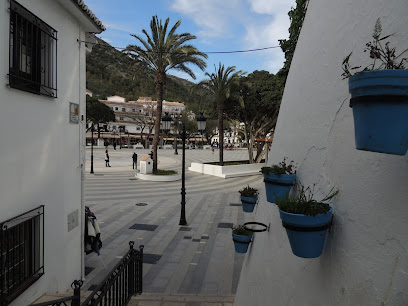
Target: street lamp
x=201 y=124
x=166 y=120
x=178 y=117
x=92 y=140
x=120 y=137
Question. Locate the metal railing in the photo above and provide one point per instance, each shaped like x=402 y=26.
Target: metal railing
x=21 y=253
x=124 y=281
x=75 y=299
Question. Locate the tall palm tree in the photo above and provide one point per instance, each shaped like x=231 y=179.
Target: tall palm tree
x=163 y=51
x=219 y=84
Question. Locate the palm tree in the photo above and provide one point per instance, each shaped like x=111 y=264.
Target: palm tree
x=163 y=51
x=219 y=84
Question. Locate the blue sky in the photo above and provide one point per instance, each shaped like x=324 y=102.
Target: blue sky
x=220 y=25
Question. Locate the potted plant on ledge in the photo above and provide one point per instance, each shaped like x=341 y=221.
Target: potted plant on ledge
x=278 y=179
x=249 y=198
x=379 y=97
x=242 y=238
x=306 y=221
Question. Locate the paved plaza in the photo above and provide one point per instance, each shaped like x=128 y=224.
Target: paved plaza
x=196 y=262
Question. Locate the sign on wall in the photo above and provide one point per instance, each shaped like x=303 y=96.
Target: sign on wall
x=73 y=112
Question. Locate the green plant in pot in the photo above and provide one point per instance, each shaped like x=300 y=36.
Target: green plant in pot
x=306 y=221
x=242 y=238
x=379 y=96
x=279 y=179
x=249 y=198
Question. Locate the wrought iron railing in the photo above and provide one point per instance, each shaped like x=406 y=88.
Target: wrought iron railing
x=21 y=253
x=124 y=281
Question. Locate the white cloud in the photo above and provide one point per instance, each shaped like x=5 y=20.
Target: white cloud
x=270 y=7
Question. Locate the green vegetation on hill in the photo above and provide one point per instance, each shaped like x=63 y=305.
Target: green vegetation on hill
x=111 y=72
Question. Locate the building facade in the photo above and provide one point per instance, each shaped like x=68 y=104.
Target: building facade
x=42 y=67
x=365 y=257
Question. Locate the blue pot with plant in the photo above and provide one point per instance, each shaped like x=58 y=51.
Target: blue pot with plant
x=379 y=98
x=278 y=180
x=306 y=221
x=242 y=238
x=249 y=198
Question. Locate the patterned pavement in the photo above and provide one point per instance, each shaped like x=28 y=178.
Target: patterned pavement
x=197 y=259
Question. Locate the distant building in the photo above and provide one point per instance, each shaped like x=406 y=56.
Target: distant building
x=89 y=93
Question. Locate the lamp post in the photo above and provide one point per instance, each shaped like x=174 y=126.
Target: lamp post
x=166 y=120
x=92 y=140
x=178 y=116
x=120 y=137
x=201 y=126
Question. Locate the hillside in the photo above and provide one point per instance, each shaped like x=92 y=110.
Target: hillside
x=110 y=72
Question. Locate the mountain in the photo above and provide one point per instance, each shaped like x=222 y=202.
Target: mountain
x=111 y=72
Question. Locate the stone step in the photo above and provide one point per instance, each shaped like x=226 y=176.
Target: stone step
x=157 y=299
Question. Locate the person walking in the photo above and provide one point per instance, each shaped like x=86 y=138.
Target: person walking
x=114 y=145
x=107 y=159
x=134 y=157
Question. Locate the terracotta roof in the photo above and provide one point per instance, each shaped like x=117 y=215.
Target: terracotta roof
x=88 y=13
x=88 y=91
x=144 y=158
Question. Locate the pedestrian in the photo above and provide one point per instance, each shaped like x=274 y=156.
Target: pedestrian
x=114 y=145
x=107 y=159
x=151 y=154
x=134 y=157
x=212 y=150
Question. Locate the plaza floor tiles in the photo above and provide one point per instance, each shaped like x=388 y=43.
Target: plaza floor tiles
x=144 y=227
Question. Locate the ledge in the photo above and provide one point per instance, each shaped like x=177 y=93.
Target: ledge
x=227 y=171
x=158 y=178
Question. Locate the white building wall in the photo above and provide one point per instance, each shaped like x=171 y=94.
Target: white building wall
x=365 y=260
x=42 y=154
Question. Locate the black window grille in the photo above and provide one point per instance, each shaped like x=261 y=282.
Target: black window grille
x=21 y=253
x=32 y=53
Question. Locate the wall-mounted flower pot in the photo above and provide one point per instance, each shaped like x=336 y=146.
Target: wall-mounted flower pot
x=241 y=242
x=278 y=186
x=248 y=203
x=380 y=108
x=306 y=233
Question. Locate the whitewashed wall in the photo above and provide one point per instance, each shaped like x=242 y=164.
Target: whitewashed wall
x=41 y=153
x=365 y=261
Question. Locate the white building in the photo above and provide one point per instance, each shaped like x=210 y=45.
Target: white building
x=365 y=258
x=42 y=119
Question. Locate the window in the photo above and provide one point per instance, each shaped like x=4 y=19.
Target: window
x=21 y=253
x=116 y=108
x=123 y=109
x=121 y=118
x=33 y=53
x=133 y=109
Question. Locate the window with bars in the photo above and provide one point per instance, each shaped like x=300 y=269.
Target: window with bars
x=32 y=53
x=21 y=253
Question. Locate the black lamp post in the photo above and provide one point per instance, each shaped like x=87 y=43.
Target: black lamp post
x=201 y=126
x=178 y=116
x=120 y=137
x=92 y=140
x=166 y=120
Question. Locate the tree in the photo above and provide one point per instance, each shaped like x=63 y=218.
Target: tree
x=219 y=84
x=163 y=51
x=255 y=102
x=97 y=111
x=288 y=46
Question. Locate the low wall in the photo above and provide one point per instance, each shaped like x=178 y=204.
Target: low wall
x=227 y=171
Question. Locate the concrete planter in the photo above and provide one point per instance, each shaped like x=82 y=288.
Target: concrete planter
x=227 y=171
x=159 y=178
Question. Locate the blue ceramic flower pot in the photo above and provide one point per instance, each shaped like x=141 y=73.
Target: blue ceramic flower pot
x=248 y=203
x=306 y=233
x=241 y=243
x=278 y=186
x=380 y=108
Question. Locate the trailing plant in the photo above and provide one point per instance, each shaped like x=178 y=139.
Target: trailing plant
x=282 y=168
x=384 y=56
x=304 y=202
x=249 y=192
x=241 y=230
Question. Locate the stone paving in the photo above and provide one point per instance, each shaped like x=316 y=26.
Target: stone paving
x=184 y=265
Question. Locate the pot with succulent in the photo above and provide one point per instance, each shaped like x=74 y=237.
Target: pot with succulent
x=279 y=179
x=249 y=198
x=379 y=97
x=242 y=237
x=306 y=221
